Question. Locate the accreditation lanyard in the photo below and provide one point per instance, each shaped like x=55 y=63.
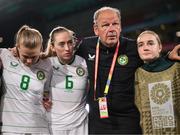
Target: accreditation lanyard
x=110 y=72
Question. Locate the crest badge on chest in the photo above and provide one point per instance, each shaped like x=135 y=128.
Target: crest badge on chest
x=80 y=71
x=40 y=75
x=122 y=60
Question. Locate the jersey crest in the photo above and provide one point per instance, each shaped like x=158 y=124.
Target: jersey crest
x=40 y=75
x=80 y=71
x=122 y=60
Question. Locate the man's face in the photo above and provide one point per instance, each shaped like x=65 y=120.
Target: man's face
x=108 y=27
x=29 y=56
x=63 y=46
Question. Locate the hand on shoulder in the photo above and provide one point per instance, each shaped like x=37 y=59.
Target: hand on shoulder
x=175 y=53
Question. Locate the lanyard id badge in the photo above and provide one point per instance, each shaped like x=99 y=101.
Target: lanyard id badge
x=103 y=108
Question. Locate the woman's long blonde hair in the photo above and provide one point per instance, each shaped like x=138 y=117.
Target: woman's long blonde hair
x=28 y=37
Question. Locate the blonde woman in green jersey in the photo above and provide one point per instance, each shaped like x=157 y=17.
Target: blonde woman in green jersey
x=24 y=79
x=68 y=115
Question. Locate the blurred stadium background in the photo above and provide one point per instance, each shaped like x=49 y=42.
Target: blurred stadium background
x=162 y=16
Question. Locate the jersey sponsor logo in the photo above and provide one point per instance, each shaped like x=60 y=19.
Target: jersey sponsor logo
x=161 y=104
x=80 y=71
x=122 y=60
x=14 y=63
x=40 y=75
x=56 y=68
x=160 y=93
x=91 y=57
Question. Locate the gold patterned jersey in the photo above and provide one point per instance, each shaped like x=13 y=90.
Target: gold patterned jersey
x=157 y=97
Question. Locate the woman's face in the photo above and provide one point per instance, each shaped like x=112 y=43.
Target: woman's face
x=29 y=56
x=63 y=46
x=148 y=47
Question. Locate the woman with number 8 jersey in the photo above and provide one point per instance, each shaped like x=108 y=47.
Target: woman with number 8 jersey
x=68 y=115
x=24 y=79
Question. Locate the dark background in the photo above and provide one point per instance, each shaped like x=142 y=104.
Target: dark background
x=162 y=16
